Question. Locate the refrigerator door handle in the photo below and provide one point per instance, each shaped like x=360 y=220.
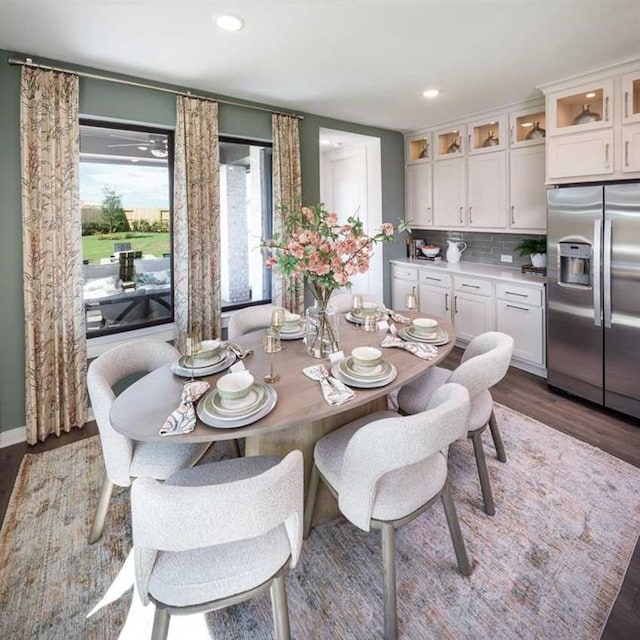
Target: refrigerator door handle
x=606 y=263
x=597 y=233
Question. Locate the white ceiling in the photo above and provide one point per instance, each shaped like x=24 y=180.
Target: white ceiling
x=364 y=61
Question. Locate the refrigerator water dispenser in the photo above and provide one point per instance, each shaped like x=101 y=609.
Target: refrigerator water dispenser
x=575 y=263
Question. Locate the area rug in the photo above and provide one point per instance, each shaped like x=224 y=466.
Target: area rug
x=549 y=564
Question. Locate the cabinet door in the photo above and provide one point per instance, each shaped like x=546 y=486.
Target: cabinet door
x=524 y=324
x=435 y=301
x=472 y=316
x=487 y=196
x=449 y=193
x=418 y=195
x=399 y=289
x=631 y=97
x=631 y=148
x=580 y=154
x=528 y=195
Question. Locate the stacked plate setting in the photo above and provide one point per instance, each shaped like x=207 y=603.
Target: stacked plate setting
x=186 y=366
x=424 y=330
x=217 y=411
x=357 y=316
x=292 y=329
x=365 y=368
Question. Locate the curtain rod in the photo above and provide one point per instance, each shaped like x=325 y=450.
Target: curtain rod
x=29 y=63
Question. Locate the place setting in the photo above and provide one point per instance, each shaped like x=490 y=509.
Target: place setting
x=361 y=311
x=292 y=329
x=365 y=368
x=424 y=330
x=203 y=359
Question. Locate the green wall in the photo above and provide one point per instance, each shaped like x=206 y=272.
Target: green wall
x=102 y=99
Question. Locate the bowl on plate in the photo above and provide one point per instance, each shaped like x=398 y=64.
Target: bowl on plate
x=430 y=251
x=234 y=386
x=366 y=357
x=424 y=326
x=208 y=349
x=292 y=322
x=368 y=309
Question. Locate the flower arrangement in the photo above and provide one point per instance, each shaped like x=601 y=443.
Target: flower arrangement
x=313 y=245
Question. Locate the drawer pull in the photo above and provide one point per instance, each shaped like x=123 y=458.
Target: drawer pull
x=511 y=306
x=446 y=302
x=520 y=295
x=626 y=104
x=471 y=286
x=455 y=304
x=431 y=278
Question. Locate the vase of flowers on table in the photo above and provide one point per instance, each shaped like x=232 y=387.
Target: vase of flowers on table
x=326 y=253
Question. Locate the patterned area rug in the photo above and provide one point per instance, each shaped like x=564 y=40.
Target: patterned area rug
x=549 y=564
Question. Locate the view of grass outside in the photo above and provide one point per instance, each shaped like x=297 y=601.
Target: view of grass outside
x=95 y=247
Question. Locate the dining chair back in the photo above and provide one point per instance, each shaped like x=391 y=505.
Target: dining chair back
x=484 y=363
x=218 y=534
x=124 y=458
x=249 y=319
x=386 y=469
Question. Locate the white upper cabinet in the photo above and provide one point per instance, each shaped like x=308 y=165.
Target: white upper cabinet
x=486 y=135
x=487 y=191
x=449 y=193
x=418 y=195
x=449 y=142
x=631 y=97
x=527 y=127
x=580 y=155
x=527 y=193
x=418 y=148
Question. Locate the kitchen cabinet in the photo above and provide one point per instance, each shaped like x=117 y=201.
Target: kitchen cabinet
x=527 y=193
x=631 y=148
x=487 y=135
x=418 y=195
x=520 y=314
x=631 y=97
x=449 y=142
x=580 y=155
x=404 y=280
x=487 y=190
x=472 y=306
x=418 y=148
x=521 y=125
x=449 y=192
x=434 y=293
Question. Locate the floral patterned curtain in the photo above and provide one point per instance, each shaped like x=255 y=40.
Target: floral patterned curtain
x=55 y=343
x=196 y=232
x=287 y=190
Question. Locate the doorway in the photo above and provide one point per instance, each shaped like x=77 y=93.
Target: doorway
x=351 y=185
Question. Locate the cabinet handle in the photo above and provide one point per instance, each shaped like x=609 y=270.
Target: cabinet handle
x=513 y=214
x=510 y=135
x=606 y=108
x=469 y=147
x=606 y=155
x=430 y=278
x=446 y=302
x=461 y=221
x=455 y=304
x=470 y=218
x=512 y=306
x=429 y=214
x=471 y=286
x=626 y=153
x=520 y=295
x=626 y=104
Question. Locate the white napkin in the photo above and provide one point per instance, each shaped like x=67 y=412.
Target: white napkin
x=424 y=351
x=183 y=419
x=333 y=390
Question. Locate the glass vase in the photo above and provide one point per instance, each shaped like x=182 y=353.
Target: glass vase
x=321 y=330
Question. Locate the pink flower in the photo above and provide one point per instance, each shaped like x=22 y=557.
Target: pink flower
x=341 y=278
x=332 y=219
x=345 y=228
x=387 y=229
x=307 y=213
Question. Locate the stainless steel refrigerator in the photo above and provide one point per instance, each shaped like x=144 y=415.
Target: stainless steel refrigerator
x=593 y=293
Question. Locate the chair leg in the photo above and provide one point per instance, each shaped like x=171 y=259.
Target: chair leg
x=234 y=445
x=454 y=529
x=389 y=576
x=497 y=438
x=312 y=492
x=483 y=473
x=161 y=621
x=100 y=515
x=280 y=609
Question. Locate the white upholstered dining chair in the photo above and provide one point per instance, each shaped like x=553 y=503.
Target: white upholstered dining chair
x=126 y=459
x=249 y=319
x=216 y=535
x=386 y=469
x=484 y=363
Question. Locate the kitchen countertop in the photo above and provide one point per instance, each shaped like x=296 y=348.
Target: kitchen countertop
x=495 y=272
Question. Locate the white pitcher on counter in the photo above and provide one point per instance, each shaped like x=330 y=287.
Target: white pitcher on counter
x=454 y=250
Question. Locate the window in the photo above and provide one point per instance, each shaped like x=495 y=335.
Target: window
x=126 y=203
x=245 y=219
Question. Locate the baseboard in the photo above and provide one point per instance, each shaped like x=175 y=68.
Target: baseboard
x=19 y=434
x=13 y=436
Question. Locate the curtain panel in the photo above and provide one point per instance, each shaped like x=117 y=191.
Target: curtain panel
x=55 y=342
x=196 y=231
x=287 y=193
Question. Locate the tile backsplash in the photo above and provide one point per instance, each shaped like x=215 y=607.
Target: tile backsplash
x=486 y=248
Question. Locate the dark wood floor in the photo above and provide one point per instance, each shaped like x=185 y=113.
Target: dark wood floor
x=529 y=394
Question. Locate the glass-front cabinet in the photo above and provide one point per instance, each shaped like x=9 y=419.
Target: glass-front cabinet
x=449 y=142
x=527 y=128
x=631 y=97
x=581 y=108
x=418 y=148
x=487 y=135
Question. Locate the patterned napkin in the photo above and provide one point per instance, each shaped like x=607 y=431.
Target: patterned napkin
x=397 y=317
x=183 y=419
x=424 y=351
x=333 y=390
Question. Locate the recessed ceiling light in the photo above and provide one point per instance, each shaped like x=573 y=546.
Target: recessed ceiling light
x=527 y=124
x=590 y=95
x=229 y=23
x=431 y=93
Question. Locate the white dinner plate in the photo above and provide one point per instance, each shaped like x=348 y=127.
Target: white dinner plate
x=269 y=401
x=292 y=335
x=186 y=372
x=363 y=384
x=442 y=337
x=379 y=372
x=202 y=363
x=223 y=409
x=350 y=317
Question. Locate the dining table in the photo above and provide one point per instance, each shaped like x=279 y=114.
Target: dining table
x=301 y=415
